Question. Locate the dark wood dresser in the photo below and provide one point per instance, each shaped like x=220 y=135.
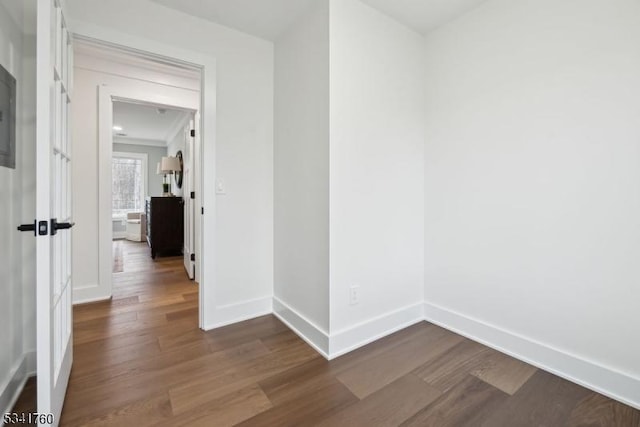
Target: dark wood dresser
x=165 y=230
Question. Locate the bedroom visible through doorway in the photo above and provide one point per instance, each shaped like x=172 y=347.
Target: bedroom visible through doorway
x=152 y=178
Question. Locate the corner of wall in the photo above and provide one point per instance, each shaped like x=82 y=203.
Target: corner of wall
x=90 y=293
x=336 y=344
x=315 y=336
x=237 y=312
x=15 y=381
x=363 y=333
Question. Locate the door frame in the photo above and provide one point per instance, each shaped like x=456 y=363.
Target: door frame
x=188 y=187
x=107 y=96
x=205 y=149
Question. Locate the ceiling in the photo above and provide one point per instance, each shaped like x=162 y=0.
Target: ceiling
x=424 y=15
x=269 y=18
x=144 y=125
x=262 y=18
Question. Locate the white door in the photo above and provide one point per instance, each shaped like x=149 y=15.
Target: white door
x=53 y=208
x=189 y=203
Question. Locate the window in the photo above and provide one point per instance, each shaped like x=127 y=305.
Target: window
x=129 y=176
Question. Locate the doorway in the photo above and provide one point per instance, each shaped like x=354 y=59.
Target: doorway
x=149 y=107
x=152 y=171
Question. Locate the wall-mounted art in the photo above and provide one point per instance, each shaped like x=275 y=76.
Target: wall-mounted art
x=178 y=174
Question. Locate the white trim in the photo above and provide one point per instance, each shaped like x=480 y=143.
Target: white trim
x=15 y=382
x=592 y=375
x=90 y=293
x=363 y=333
x=139 y=141
x=105 y=221
x=314 y=335
x=87 y=49
x=107 y=95
x=234 y=313
x=199 y=220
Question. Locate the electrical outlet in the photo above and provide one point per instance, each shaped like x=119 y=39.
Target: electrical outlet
x=354 y=295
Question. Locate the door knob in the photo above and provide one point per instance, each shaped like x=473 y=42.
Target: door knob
x=55 y=225
x=28 y=227
x=39 y=228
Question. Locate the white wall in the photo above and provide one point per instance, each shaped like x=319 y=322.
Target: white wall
x=17 y=313
x=301 y=167
x=531 y=184
x=376 y=173
x=89 y=74
x=154 y=156
x=348 y=176
x=243 y=233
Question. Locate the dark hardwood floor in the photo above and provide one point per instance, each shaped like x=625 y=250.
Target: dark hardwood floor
x=140 y=360
x=26 y=403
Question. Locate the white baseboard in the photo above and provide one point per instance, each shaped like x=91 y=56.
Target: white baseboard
x=91 y=293
x=591 y=375
x=315 y=336
x=12 y=387
x=233 y=313
x=349 y=339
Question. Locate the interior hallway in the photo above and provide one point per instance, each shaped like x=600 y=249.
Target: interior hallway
x=141 y=360
x=125 y=338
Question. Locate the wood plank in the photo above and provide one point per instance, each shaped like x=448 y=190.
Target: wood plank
x=120 y=346
x=100 y=355
x=191 y=296
x=390 y=406
x=85 y=397
x=306 y=409
x=544 y=400
x=504 y=372
x=226 y=337
x=598 y=410
x=453 y=366
x=469 y=403
x=141 y=329
x=154 y=363
x=373 y=374
x=189 y=313
x=227 y=410
x=144 y=412
x=190 y=394
x=102 y=323
x=298 y=380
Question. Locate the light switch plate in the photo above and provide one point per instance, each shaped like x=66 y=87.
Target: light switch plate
x=220 y=189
